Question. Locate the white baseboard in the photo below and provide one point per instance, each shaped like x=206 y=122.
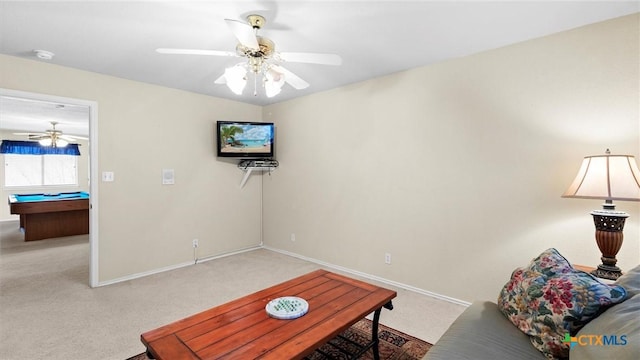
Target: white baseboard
x=373 y=277
x=235 y=252
x=143 y=274
x=173 y=267
x=315 y=261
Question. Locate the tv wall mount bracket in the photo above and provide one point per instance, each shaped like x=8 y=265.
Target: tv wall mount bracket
x=249 y=166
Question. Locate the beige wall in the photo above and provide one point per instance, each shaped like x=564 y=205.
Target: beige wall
x=456 y=169
x=83 y=176
x=143 y=225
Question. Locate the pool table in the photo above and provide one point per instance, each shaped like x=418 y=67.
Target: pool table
x=44 y=216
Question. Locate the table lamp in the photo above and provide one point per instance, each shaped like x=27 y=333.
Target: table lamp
x=607 y=177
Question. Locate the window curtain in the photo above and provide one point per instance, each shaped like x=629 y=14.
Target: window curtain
x=34 y=148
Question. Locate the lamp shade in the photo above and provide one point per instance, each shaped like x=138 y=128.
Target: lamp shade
x=609 y=177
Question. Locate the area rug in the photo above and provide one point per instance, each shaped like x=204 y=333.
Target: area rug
x=394 y=345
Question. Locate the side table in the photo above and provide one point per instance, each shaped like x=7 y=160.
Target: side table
x=587 y=269
x=590 y=269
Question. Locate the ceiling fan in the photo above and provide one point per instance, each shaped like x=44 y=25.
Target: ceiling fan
x=52 y=137
x=262 y=59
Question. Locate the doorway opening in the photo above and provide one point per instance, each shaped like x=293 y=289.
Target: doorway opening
x=24 y=113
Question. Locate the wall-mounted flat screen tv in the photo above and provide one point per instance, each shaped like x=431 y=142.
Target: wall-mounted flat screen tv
x=239 y=139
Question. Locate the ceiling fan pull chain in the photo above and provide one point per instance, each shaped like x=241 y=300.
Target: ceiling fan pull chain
x=255 y=84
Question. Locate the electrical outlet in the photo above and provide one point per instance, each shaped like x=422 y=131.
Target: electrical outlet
x=387 y=258
x=293 y=237
x=195 y=243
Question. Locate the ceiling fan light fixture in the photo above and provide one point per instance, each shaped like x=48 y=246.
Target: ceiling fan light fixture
x=273 y=82
x=61 y=143
x=56 y=143
x=260 y=57
x=236 y=78
x=45 y=142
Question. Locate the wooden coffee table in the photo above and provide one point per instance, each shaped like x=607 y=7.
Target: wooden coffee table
x=242 y=329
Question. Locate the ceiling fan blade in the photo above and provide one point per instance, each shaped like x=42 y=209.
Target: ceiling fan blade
x=221 y=80
x=39 y=137
x=72 y=137
x=312 y=58
x=195 y=52
x=244 y=33
x=291 y=78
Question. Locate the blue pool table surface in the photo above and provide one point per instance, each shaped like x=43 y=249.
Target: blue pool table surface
x=78 y=195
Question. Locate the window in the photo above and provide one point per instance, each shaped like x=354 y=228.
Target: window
x=40 y=170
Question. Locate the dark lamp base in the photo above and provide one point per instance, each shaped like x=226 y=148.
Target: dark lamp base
x=609 y=225
x=607 y=272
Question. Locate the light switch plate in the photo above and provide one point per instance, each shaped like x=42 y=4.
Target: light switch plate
x=107 y=176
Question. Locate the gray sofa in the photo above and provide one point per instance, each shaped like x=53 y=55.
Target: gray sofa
x=483 y=332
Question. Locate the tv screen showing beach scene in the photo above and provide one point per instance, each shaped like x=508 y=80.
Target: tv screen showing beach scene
x=245 y=139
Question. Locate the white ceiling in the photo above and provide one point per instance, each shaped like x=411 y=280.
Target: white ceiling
x=374 y=38
x=34 y=116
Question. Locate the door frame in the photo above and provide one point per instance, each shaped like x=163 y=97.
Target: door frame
x=93 y=168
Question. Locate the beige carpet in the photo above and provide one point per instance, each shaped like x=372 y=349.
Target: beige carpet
x=48 y=311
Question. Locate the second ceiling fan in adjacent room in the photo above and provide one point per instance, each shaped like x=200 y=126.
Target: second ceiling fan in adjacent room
x=52 y=137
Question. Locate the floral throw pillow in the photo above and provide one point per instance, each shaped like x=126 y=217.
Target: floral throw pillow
x=548 y=299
